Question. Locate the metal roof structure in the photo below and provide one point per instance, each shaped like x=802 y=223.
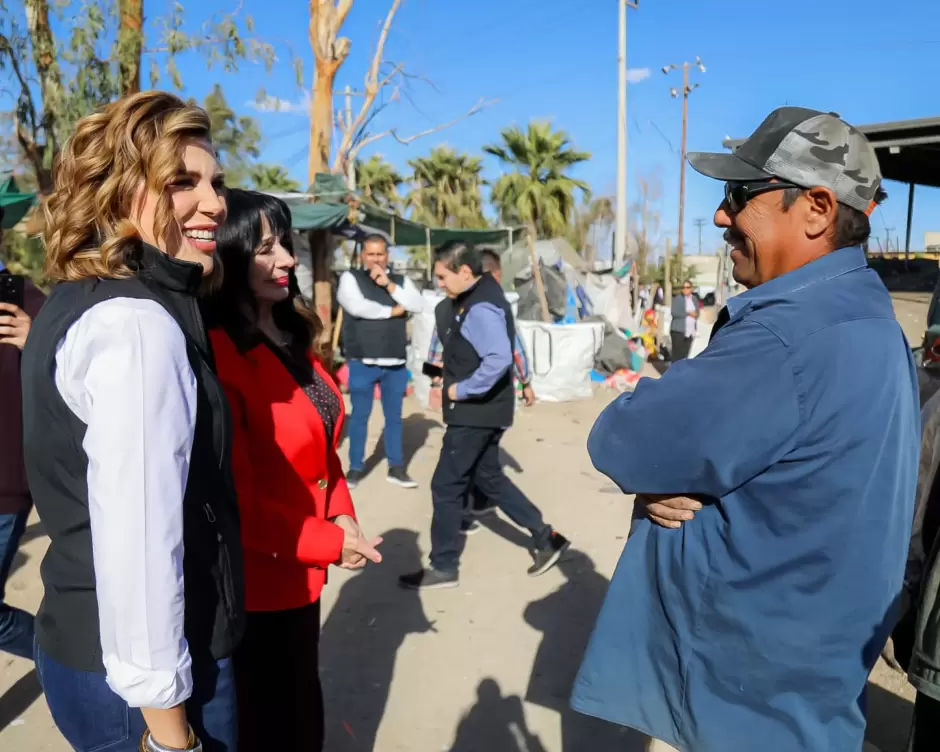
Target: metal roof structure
x=908 y=152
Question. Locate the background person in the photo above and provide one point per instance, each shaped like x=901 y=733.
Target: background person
x=479 y=403
x=376 y=303
x=297 y=514
x=478 y=503
x=684 y=322
x=16 y=626
x=126 y=438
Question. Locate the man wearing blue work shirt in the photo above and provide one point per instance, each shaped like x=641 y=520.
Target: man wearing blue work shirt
x=476 y=329
x=775 y=473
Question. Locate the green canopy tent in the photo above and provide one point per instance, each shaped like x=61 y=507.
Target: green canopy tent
x=328 y=211
x=13 y=203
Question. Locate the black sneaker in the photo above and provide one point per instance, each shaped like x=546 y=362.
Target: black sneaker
x=400 y=477
x=354 y=478
x=429 y=579
x=469 y=526
x=548 y=555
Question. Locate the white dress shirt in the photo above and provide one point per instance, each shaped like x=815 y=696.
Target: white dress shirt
x=122 y=369
x=350 y=297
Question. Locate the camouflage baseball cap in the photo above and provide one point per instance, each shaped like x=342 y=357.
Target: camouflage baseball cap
x=804 y=147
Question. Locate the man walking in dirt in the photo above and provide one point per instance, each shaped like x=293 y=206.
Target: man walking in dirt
x=761 y=577
x=479 y=402
x=478 y=505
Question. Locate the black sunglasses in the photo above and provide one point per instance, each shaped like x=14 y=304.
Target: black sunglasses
x=738 y=194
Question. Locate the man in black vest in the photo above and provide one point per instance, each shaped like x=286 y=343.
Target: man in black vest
x=375 y=305
x=479 y=402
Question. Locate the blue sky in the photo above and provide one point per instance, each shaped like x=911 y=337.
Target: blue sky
x=868 y=60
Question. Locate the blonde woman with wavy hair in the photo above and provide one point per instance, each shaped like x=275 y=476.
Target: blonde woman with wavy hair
x=127 y=435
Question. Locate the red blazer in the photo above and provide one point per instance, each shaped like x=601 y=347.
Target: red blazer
x=289 y=478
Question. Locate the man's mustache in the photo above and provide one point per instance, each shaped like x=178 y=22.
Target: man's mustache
x=733 y=237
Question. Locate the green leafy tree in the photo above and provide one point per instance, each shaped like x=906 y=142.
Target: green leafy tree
x=237 y=139
x=538 y=192
x=378 y=182
x=272 y=178
x=446 y=189
x=51 y=82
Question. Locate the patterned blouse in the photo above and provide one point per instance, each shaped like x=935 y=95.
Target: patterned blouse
x=324 y=399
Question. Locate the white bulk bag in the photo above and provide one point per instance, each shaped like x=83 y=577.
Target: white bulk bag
x=561 y=357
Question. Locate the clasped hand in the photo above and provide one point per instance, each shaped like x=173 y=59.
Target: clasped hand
x=668 y=511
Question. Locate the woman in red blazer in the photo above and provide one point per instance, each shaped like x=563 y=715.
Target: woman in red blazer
x=297 y=516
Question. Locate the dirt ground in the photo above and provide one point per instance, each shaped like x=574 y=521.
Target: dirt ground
x=485 y=667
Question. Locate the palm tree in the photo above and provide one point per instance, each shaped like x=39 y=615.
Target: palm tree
x=537 y=192
x=272 y=178
x=446 y=189
x=378 y=181
x=591 y=221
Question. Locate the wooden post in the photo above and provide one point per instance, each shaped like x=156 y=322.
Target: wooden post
x=321 y=257
x=537 y=275
x=427 y=239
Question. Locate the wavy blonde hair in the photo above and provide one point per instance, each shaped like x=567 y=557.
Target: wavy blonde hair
x=137 y=140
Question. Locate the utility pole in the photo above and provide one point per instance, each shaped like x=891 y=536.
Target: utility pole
x=687 y=89
x=888 y=231
x=700 y=224
x=667 y=283
x=620 y=232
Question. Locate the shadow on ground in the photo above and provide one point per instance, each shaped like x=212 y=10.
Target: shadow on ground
x=889 y=719
x=18 y=698
x=415 y=430
x=360 y=641
x=495 y=723
x=566 y=619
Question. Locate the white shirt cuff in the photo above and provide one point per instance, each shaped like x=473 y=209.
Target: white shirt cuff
x=140 y=687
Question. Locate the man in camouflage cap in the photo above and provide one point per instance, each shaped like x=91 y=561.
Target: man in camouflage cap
x=774 y=476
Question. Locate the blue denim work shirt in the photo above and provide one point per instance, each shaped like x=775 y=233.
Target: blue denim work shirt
x=754 y=627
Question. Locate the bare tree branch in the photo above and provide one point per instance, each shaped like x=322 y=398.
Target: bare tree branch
x=373 y=85
x=342 y=10
x=393 y=132
x=379 y=55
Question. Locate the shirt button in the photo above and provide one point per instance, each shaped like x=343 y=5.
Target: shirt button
x=322 y=484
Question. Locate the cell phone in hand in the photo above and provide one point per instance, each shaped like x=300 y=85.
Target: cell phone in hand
x=13 y=289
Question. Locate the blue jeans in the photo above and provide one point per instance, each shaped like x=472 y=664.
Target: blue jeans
x=92 y=718
x=393 y=383
x=16 y=626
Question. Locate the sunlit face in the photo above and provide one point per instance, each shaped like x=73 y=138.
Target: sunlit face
x=198 y=198
x=375 y=254
x=453 y=283
x=269 y=273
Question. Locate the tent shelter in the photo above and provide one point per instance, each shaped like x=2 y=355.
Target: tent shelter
x=13 y=202
x=908 y=152
x=327 y=208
